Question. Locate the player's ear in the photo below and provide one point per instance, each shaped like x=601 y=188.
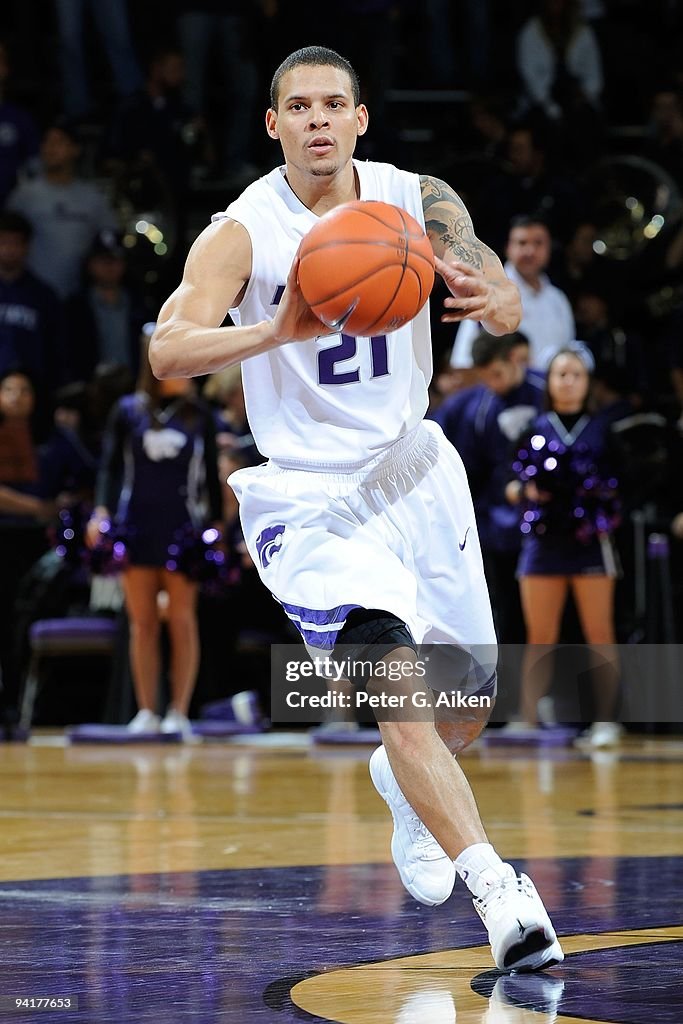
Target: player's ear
x=271 y=123
x=363 y=117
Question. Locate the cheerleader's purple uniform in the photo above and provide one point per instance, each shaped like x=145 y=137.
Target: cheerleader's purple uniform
x=553 y=546
x=159 y=471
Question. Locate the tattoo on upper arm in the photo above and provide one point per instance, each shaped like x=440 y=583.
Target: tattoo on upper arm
x=449 y=225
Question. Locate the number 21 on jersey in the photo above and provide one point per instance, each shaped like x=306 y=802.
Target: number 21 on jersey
x=346 y=349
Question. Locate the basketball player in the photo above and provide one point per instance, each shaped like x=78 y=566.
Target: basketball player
x=361 y=523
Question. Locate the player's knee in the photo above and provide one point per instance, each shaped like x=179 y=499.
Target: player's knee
x=368 y=636
x=461 y=719
x=458 y=735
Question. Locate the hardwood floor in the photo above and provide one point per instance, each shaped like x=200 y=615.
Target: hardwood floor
x=252 y=881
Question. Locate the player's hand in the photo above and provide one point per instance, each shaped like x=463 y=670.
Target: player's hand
x=294 y=320
x=473 y=297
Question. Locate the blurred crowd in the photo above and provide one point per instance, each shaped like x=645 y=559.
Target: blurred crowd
x=124 y=126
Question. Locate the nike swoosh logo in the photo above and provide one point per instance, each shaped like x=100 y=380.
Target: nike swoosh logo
x=462 y=546
x=340 y=324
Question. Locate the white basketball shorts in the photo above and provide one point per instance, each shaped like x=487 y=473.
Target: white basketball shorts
x=397 y=533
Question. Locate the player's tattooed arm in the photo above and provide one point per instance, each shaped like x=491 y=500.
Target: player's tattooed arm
x=449 y=225
x=474 y=274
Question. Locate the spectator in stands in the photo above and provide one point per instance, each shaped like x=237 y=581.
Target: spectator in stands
x=111 y=20
x=68 y=458
x=483 y=422
x=65 y=211
x=18 y=455
x=105 y=320
x=613 y=346
x=157 y=480
x=530 y=182
x=567 y=529
x=560 y=67
x=547 y=319
x=664 y=143
x=149 y=129
x=203 y=25
x=613 y=393
x=488 y=116
x=19 y=138
x=31 y=328
x=576 y=267
x=23 y=518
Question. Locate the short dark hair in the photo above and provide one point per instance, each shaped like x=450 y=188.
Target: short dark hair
x=160 y=53
x=486 y=348
x=16 y=224
x=71 y=396
x=68 y=126
x=532 y=129
x=17 y=370
x=530 y=220
x=314 y=56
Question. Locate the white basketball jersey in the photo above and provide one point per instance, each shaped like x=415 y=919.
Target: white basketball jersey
x=333 y=399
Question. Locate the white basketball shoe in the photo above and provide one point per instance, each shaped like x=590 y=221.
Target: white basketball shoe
x=520 y=932
x=425 y=870
x=144 y=722
x=175 y=722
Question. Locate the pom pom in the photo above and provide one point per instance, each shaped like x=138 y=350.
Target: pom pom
x=582 y=498
x=109 y=557
x=203 y=556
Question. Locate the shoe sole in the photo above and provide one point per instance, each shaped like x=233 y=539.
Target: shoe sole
x=536 y=953
x=425 y=901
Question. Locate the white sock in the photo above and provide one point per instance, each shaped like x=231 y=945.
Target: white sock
x=480 y=867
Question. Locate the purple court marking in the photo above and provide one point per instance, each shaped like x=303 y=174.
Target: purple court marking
x=97 y=733
x=225 y=947
x=551 y=736
x=213 y=728
x=346 y=737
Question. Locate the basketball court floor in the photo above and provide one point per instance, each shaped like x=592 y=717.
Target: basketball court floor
x=251 y=881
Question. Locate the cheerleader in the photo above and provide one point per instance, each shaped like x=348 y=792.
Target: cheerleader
x=569 y=511
x=157 y=490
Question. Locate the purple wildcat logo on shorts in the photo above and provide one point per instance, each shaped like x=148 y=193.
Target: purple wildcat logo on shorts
x=268 y=543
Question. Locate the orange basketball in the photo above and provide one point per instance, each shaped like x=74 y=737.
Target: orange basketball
x=367 y=267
